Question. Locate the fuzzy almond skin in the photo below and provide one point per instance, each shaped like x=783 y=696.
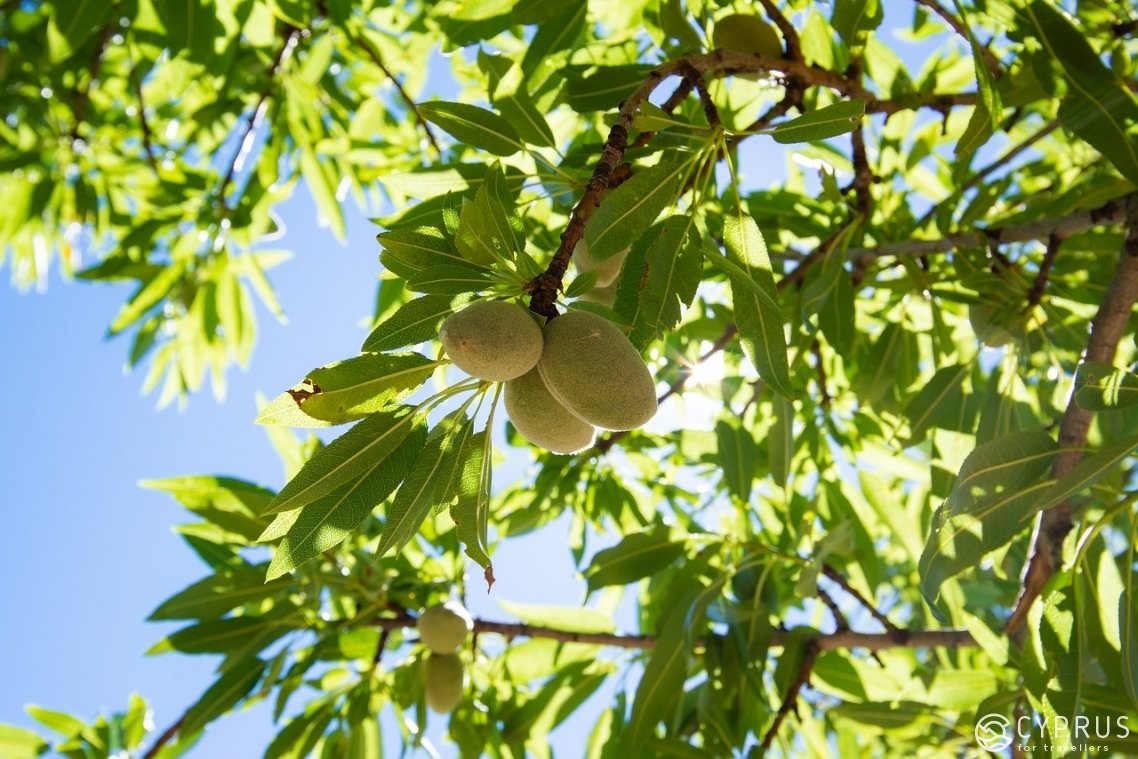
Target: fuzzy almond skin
x=444 y=678
x=607 y=270
x=747 y=34
x=595 y=372
x=985 y=320
x=542 y=420
x=443 y=628
x=492 y=340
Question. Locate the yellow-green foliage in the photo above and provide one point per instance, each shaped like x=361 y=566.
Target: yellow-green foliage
x=595 y=372
x=443 y=628
x=987 y=322
x=444 y=679
x=492 y=340
x=542 y=420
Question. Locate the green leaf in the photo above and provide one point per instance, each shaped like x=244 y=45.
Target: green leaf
x=674 y=269
x=19 y=743
x=568 y=618
x=630 y=209
x=516 y=106
x=474 y=126
x=485 y=235
x=147 y=297
x=231 y=504
x=604 y=89
x=471 y=511
x=414 y=322
x=852 y=17
x=1098 y=107
x=635 y=557
x=780 y=441
x=358 y=451
x=554 y=35
x=219 y=593
x=757 y=313
x=448 y=280
x=348 y=390
x=1102 y=387
x=329 y=520
x=73 y=22
x=840 y=118
x=737 y=457
x=998 y=485
x=320 y=176
x=430 y=483
x=939 y=402
x=65 y=724
x=414 y=250
x=223 y=695
x=222 y=635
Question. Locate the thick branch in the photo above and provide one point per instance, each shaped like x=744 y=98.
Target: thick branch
x=1107 y=329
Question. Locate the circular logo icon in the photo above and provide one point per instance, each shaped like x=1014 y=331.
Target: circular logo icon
x=994 y=732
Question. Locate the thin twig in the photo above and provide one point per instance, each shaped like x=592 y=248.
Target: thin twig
x=253 y=120
x=1107 y=329
x=995 y=165
x=841 y=624
x=836 y=577
x=378 y=61
x=809 y=656
x=1035 y=295
x=167 y=735
x=147 y=140
x=1112 y=212
x=789 y=33
x=957 y=26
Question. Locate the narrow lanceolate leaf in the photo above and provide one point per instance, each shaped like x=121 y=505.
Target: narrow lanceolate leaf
x=485 y=236
x=474 y=126
x=674 y=270
x=448 y=280
x=327 y=521
x=1102 y=387
x=737 y=455
x=213 y=596
x=223 y=695
x=998 y=485
x=414 y=322
x=147 y=297
x=20 y=743
x=471 y=511
x=345 y=459
x=1098 y=107
x=417 y=249
x=757 y=313
x=664 y=675
x=348 y=390
x=630 y=210
x=635 y=557
x=831 y=121
x=221 y=635
x=1087 y=472
x=939 y=402
x=430 y=483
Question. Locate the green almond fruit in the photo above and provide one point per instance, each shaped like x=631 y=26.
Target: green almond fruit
x=607 y=270
x=492 y=340
x=443 y=628
x=444 y=679
x=593 y=370
x=744 y=33
x=542 y=420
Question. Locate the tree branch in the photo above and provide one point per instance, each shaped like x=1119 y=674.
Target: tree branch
x=1107 y=329
x=1035 y=295
x=824 y=641
x=809 y=656
x=378 y=61
x=836 y=577
x=167 y=735
x=253 y=120
x=789 y=33
x=544 y=288
x=957 y=26
x=1112 y=212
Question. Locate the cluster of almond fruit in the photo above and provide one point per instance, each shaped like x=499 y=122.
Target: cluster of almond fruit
x=565 y=381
